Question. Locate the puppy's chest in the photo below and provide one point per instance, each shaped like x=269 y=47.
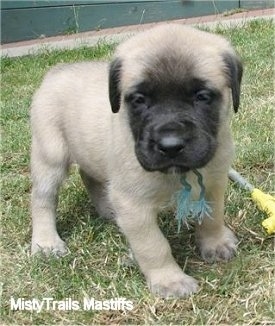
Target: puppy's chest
x=165 y=192
x=162 y=189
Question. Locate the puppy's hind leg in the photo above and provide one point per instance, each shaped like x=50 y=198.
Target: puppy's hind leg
x=98 y=194
x=49 y=165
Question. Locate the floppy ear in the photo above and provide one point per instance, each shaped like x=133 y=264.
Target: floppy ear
x=234 y=70
x=114 y=84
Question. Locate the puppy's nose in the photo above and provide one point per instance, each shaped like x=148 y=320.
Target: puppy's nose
x=170 y=146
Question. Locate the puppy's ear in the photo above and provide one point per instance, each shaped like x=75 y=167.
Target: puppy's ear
x=114 y=84
x=234 y=71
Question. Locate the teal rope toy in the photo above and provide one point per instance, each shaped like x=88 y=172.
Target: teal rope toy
x=192 y=210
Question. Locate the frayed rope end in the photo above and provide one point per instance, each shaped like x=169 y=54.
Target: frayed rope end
x=187 y=209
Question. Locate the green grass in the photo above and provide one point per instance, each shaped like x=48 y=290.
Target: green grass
x=239 y=292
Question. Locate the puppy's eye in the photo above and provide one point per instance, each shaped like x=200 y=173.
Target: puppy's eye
x=138 y=100
x=203 y=96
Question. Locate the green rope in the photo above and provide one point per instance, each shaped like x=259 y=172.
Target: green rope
x=192 y=210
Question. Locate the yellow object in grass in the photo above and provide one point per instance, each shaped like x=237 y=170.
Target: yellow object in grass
x=265 y=203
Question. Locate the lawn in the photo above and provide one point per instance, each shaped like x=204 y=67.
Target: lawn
x=239 y=292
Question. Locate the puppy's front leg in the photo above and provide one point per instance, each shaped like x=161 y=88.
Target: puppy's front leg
x=216 y=242
x=151 y=250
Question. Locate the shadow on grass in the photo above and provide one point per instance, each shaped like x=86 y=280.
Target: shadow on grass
x=79 y=211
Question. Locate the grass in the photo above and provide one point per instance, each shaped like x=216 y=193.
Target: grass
x=239 y=292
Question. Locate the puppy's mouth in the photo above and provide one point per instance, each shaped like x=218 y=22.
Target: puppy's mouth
x=175 y=156
x=175 y=170
x=168 y=167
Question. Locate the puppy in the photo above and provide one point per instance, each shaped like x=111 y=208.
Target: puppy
x=168 y=113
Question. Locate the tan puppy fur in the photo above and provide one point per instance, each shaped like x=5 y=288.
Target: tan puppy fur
x=72 y=122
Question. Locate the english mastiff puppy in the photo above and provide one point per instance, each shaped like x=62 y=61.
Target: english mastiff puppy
x=168 y=112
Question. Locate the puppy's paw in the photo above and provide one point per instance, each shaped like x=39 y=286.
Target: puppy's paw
x=171 y=283
x=47 y=246
x=220 y=247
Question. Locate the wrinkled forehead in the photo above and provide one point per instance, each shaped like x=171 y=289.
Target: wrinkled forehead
x=167 y=69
